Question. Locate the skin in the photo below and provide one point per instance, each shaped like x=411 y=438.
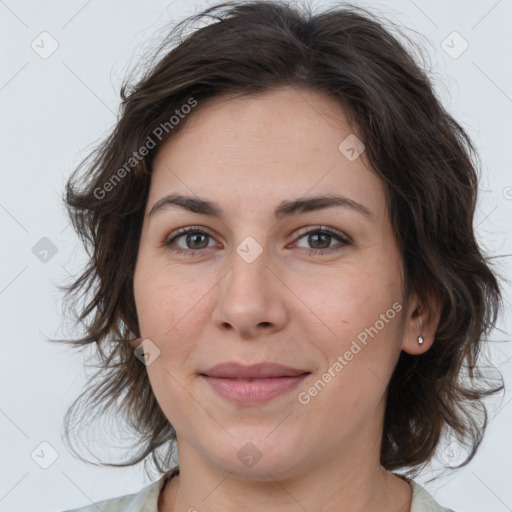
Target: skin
x=302 y=310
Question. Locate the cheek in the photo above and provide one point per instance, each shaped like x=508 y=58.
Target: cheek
x=169 y=315
x=357 y=316
x=166 y=299
x=358 y=363
x=348 y=299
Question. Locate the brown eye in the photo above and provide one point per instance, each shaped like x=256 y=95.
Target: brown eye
x=193 y=240
x=196 y=240
x=320 y=239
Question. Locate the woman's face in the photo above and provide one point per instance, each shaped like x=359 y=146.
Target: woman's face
x=249 y=287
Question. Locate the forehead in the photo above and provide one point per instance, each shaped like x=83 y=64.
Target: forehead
x=282 y=143
x=281 y=120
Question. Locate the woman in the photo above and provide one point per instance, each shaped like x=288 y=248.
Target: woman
x=288 y=281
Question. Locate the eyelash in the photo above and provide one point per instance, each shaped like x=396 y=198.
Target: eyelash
x=344 y=241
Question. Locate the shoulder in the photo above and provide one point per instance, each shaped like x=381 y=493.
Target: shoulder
x=136 y=502
x=423 y=501
x=110 y=505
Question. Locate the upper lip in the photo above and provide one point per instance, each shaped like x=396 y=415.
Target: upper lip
x=233 y=370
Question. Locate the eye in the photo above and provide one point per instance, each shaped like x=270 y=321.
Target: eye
x=194 y=239
x=321 y=237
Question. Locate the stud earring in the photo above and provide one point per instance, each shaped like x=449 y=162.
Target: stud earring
x=421 y=339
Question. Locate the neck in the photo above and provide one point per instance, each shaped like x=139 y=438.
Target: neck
x=330 y=487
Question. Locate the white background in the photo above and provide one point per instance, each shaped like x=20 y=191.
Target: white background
x=54 y=109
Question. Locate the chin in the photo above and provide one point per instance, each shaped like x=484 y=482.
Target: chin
x=258 y=456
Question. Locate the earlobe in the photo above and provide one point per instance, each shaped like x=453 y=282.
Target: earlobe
x=421 y=325
x=136 y=342
x=418 y=344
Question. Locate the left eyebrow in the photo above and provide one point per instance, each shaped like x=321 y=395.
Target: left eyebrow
x=284 y=209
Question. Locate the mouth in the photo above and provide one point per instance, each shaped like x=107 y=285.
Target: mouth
x=253 y=384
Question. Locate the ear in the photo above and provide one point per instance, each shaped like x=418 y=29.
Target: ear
x=136 y=342
x=422 y=319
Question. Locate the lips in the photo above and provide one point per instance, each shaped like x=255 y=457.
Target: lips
x=250 y=385
x=255 y=371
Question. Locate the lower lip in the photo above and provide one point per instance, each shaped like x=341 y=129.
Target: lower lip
x=253 y=391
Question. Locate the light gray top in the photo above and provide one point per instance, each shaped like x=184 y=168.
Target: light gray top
x=146 y=500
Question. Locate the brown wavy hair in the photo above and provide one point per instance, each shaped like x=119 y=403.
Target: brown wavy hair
x=424 y=157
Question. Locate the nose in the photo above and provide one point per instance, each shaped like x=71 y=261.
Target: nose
x=251 y=298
